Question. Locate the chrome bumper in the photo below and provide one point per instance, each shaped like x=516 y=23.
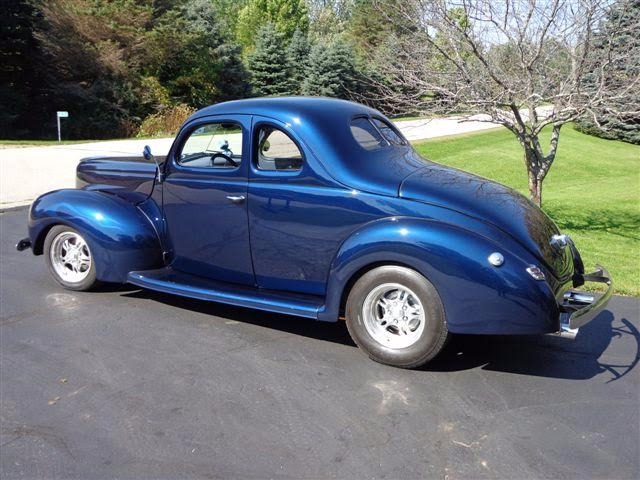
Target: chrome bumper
x=579 y=308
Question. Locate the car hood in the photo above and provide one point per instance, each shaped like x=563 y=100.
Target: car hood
x=489 y=202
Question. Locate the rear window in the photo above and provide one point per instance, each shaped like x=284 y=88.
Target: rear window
x=389 y=132
x=366 y=134
x=374 y=133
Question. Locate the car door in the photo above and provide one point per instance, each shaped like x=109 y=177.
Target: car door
x=204 y=200
x=298 y=219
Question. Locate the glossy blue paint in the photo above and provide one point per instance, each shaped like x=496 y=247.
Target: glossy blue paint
x=477 y=297
x=120 y=236
x=301 y=237
x=208 y=234
x=176 y=282
x=129 y=177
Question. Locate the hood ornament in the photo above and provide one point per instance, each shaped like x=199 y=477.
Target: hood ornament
x=560 y=241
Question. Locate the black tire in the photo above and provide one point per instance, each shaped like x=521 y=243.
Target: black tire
x=434 y=333
x=89 y=276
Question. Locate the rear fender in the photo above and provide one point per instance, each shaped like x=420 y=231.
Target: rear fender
x=120 y=235
x=477 y=297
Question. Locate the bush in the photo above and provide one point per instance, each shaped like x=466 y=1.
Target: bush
x=611 y=129
x=166 y=122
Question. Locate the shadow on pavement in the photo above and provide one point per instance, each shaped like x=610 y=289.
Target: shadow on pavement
x=544 y=356
x=327 y=331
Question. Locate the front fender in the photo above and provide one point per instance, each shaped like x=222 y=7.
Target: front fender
x=477 y=297
x=120 y=236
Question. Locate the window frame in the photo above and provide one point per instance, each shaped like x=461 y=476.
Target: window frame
x=255 y=148
x=186 y=134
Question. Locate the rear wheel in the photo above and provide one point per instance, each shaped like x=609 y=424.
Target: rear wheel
x=396 y=316
x=69 y=258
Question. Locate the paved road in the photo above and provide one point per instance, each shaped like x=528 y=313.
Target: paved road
x=131 y=384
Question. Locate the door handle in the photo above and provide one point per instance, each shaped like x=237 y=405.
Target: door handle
x=236 y=198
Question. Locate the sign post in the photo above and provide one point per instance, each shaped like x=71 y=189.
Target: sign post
x=60 y=115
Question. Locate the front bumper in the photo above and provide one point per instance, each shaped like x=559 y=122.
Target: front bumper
x=579 y=308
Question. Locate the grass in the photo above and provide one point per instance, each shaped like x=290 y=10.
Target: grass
x=592 y=191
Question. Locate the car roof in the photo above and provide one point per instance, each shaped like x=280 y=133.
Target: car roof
x=323 y=125
x=312 y=109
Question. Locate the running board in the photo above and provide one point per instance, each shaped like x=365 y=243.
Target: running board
x=168 y=280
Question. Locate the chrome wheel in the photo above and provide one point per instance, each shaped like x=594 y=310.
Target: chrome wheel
x=393 y=315
x=70 y=257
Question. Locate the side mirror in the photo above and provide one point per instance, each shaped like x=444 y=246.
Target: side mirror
x=146 y=152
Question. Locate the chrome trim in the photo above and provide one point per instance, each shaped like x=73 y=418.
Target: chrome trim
x=579 y=308
x=536 y=272
x=588 y=312
x=579 y=297
x=565 y=330
x=496 y=259
x=236 y=198
x=560 y=241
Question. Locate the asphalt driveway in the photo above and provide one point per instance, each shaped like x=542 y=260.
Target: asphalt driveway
x=128 y=383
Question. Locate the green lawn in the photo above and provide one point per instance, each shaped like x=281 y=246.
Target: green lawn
x=592 y=191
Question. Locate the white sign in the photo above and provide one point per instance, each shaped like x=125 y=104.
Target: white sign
x=63 y=114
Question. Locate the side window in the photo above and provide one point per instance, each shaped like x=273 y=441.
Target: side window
x=366 y=134
x=276 y=150
x=213 y=145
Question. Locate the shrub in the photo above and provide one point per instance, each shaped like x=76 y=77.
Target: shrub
x=611 y=129
x=166 y=122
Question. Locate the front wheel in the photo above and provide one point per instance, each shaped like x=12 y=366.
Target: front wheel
x=396 y=316
x=69 y=258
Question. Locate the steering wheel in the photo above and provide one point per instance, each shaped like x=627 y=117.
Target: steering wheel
x=228 y=160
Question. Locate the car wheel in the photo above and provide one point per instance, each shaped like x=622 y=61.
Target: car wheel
x=396 y=316
x=69 y=258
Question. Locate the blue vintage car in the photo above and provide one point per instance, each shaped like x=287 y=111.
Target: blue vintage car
x=318 y=208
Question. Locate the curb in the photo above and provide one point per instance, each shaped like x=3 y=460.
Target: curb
x=13 y=209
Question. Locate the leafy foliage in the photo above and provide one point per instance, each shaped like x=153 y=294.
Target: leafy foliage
x=285 y=16
x=18 y=76
x=196 y=62
x=167 y=122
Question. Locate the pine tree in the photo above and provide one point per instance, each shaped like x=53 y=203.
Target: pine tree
x=626 y=67
x=332 y=71
x=197 y=63
x=297 y=55
x=268 y=63
x=18 y=74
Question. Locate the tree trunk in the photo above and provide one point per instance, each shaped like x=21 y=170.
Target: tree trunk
x=535 y=188
x=534 y=162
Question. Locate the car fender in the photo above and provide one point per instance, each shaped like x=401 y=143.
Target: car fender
x=477 y=296
x=120 y=235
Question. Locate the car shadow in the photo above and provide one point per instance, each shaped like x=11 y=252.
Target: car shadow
x=335 y=332
x=549 y=356
x=539 y=355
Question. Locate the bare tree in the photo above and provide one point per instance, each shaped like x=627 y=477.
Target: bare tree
x=524 y=64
